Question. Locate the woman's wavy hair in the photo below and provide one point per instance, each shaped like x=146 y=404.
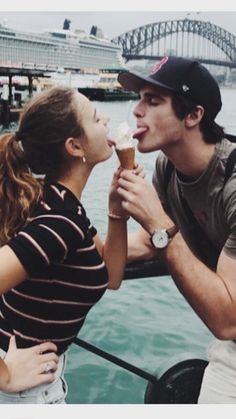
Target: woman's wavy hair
x=45 y=123
x=211 y=131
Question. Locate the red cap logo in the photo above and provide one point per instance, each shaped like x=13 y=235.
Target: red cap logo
x=158 y=65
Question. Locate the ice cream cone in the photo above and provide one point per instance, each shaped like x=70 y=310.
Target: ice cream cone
x=126 y=157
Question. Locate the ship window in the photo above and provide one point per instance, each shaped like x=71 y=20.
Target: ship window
x=59 y=35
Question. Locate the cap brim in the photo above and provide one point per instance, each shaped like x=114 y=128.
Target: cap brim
x=135 y=82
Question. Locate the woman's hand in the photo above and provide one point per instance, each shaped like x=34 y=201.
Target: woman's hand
x=115 y=200
x=29 y=367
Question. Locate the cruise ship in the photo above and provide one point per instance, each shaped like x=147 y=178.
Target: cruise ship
x=59 y=50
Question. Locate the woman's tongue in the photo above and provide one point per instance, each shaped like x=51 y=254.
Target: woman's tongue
x=111 y=142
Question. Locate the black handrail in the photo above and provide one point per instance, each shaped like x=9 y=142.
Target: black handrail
x=152 y=268
x=115 y=360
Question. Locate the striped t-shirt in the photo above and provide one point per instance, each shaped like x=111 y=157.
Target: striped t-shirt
x=67 y=276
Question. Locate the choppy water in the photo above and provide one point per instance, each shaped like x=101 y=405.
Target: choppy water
x=147 y=322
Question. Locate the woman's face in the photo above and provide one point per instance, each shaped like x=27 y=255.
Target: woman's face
x=96 y=145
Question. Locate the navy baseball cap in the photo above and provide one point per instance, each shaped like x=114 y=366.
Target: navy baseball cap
x=181 y=75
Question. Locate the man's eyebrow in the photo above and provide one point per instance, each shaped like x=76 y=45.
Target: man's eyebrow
x=153 y=95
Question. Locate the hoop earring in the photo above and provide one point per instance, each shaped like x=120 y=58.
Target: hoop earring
x=84 y=159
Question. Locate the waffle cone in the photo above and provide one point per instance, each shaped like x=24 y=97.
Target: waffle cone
x=126 y=157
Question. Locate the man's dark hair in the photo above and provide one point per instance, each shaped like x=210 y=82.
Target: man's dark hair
x=212 y=132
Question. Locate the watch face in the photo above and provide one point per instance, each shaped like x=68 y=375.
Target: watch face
x=160 y=239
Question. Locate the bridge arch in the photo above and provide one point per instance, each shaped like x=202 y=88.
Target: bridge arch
x=135 y=40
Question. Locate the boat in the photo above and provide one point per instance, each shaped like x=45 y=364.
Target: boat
x=107 y=88
x=62 y=56
x=59 y=49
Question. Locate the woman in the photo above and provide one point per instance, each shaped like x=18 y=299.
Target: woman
x=54 y=267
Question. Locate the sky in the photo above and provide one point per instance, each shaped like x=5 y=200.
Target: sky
x=51 y=14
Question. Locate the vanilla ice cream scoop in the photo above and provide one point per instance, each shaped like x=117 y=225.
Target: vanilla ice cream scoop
x=123 y=136
x=124 y=146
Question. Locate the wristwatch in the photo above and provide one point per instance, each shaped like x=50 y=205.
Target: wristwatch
x=161 y=236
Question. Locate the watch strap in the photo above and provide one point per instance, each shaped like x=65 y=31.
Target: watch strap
x=172 y=231
x=169 y=233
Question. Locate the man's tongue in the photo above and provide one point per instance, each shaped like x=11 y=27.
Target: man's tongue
x=139 y=132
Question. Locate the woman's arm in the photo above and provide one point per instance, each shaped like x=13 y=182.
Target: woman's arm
x=22 y=369
x=12 y=271
x=114 y=251
x=26 y=368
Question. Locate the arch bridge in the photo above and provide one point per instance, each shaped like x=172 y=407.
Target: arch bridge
x=202 y=40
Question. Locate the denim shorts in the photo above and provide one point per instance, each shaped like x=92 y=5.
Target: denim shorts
x=219 y=380
x=52 y=393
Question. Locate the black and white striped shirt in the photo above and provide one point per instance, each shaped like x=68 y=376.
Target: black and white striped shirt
x=67 y=276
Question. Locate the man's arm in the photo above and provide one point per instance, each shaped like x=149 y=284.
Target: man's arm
x=211 y=295
x=139 y=246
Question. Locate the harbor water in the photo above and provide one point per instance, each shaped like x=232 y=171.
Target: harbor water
x=146 y=322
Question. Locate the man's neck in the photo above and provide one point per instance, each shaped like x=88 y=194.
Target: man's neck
x=191 y=157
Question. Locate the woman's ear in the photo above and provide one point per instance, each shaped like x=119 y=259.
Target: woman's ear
x=194 y=117
x=73 y=147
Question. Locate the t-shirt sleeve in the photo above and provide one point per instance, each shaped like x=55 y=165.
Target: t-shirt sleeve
x=230 y=211
x=92 y=229
x=48 y=239
x=158 y=179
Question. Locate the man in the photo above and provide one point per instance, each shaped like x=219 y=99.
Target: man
x=190 y=223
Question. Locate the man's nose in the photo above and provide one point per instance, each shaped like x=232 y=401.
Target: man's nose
x=138 y=110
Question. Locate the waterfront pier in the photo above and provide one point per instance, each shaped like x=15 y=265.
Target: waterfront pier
x=8 y=112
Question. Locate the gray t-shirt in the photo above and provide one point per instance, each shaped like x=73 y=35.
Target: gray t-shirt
x=212 y=203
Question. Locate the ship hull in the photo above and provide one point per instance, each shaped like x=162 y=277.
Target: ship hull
x=49 y=52
x=100 y=94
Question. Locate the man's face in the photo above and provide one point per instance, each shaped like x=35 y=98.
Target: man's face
x=157 y=125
